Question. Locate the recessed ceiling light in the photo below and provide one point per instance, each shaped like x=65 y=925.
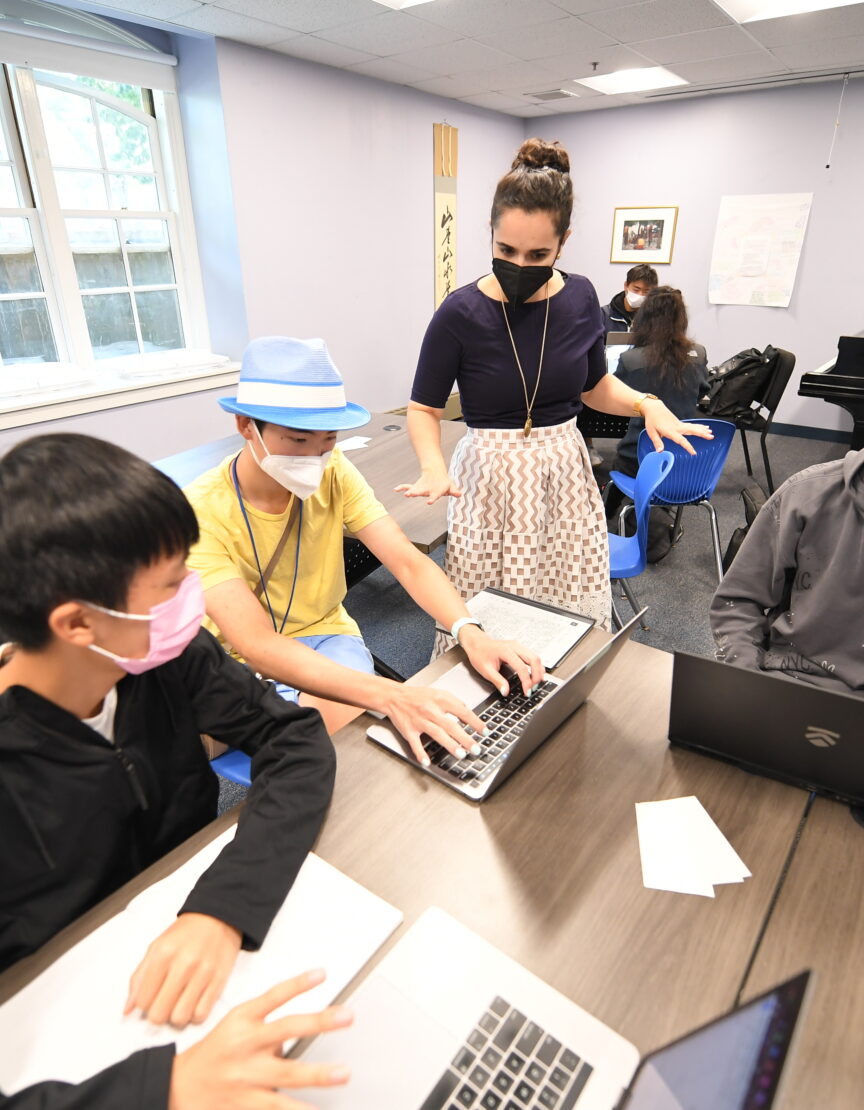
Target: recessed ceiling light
x=633 y=80
x=749 y=11
x=399 y=4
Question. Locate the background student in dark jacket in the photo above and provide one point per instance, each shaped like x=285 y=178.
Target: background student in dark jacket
x=621 y=311
x=106 y=686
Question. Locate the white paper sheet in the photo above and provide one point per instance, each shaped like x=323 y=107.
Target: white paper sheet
x=353 y=443
x=68 y=1023
x=683 y=850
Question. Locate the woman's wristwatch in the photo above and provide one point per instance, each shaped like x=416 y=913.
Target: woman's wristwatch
x=640 y=401
x=460 y=624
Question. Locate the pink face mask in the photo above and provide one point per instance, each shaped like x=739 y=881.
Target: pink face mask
x=173 y=626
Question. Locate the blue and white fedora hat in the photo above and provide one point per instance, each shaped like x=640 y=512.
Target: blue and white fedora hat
x=293 y=382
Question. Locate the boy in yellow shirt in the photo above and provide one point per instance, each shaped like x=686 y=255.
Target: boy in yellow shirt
x=270 y=554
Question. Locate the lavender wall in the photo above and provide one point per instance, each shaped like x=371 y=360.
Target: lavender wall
x=332 y=183
x=691 y=153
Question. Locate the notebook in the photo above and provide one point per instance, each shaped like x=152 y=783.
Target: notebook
x=481 y=1032
x=783 y=728
x=517 y=725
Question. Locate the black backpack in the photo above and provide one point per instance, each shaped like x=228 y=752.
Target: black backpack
x=736 y=383
x=754 y=497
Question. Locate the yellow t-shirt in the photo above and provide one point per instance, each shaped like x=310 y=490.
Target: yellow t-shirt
x=224 y=551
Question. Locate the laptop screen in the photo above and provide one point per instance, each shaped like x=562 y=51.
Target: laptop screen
x=613 y=354
x=733 y=1063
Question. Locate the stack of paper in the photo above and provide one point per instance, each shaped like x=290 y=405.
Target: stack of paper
x=68 y=1023
x=683 y=850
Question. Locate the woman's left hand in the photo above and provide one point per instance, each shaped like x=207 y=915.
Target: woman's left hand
x=660 y=423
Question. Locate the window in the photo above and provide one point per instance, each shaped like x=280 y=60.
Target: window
x=99 y=281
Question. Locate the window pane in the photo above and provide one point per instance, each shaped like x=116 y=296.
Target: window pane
x=133 y=190
x=25 y=332
x=4 y=149
x=110 y=323
x=149 y=252
x=96 y=252
x=159 y=317
x=8 y=191
x=81 y=189
x=131 y=94
x=19 y=271
x=69 y=128
x=126 y=142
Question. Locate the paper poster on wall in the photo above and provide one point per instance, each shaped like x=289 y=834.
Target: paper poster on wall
x=445 y=158
x=757 y=245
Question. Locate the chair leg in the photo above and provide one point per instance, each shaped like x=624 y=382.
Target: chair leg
x=676 y=524
x=769 y=480
x=631 y=597
x=747 y=462
x=616 y=616
x=622 y=516
x=715 y=539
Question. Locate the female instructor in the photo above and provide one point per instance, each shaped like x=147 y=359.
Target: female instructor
x=525 y=346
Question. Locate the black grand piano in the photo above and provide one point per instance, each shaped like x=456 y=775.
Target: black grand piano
x=841 y=383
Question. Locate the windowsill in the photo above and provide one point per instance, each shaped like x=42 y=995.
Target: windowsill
x=112 y=385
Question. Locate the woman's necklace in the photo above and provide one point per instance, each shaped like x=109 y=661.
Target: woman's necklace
x=529 y=405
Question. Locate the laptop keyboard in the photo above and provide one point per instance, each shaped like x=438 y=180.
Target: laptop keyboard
x=505 y=717
x=510 y=1063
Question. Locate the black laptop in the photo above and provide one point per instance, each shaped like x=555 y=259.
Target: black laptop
x=781 y=727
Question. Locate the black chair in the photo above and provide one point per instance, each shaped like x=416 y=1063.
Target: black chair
x=360 y=562
x=759 y=418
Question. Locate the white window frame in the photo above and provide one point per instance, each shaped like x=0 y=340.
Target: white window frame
x=78 y=383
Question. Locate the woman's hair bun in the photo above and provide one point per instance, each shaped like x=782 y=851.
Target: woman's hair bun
x=537 y=154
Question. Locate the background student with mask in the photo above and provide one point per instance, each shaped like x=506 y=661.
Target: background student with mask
x=525 y=345
x=106 y=685
x=287 y=498
x=621 y=311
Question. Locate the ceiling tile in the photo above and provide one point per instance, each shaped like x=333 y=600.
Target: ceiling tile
x=390 y=69
x=837 y=23
x=579 y=7
x=719 y=42
x=549 y=38
x=463 y=56
x=388 y=33
x=313 y=49
x=712 y=70
x=229 y=25
x=657 y=18
x=465 y=84
x=156 y=9
x=475 y=17
x=305 y=15
x=498 y=102
x=825 y=54
x=582 y=65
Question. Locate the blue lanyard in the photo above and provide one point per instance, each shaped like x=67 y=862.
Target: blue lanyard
x=281 y=627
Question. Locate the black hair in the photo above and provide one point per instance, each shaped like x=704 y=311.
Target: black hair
x=538 y=181
x=660 y=327
x=78 y=518
x=643 y=273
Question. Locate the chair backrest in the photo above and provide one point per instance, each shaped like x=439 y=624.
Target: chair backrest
x=652 y=471
x=778 y=380
x=693 y=477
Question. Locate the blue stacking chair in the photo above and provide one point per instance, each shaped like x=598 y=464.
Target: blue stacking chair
x=628 y=554
x=692 y=480
x=234 y=766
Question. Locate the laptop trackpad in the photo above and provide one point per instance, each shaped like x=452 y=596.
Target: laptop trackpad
x=464 y=683
x=382 y=1016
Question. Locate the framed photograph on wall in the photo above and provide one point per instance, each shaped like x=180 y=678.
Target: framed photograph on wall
x=643 y=234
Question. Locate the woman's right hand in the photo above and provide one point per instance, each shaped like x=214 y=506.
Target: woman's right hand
x=239 y=1064
x=431 y=486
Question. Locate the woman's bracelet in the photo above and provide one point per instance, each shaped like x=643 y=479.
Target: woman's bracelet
x=640 y=401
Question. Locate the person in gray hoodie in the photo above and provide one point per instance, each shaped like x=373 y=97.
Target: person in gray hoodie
x=793 y=598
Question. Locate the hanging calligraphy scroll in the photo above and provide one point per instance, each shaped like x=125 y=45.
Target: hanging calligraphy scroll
x=445 y=153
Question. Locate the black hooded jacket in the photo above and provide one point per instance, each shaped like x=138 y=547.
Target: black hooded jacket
x=80 y=816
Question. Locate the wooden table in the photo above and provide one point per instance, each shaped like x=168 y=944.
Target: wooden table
x=818 y=922
x=548 y=868
x=385 y=462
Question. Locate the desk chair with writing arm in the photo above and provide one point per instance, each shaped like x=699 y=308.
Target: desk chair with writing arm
x=628 y=555
x=692 y=480
x=754 y=421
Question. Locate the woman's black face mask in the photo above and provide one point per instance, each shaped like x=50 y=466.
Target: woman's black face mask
x=519 y=283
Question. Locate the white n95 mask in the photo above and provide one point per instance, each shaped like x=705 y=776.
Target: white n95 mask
x=299 y=474
x=635 y=300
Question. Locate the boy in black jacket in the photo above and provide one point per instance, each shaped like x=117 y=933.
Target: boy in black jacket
x=106 y=686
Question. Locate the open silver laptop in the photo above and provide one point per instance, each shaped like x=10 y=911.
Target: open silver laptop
x=517 y=725
x=479 y=1031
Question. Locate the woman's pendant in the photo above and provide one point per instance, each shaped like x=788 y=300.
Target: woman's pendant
x=526 y=431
